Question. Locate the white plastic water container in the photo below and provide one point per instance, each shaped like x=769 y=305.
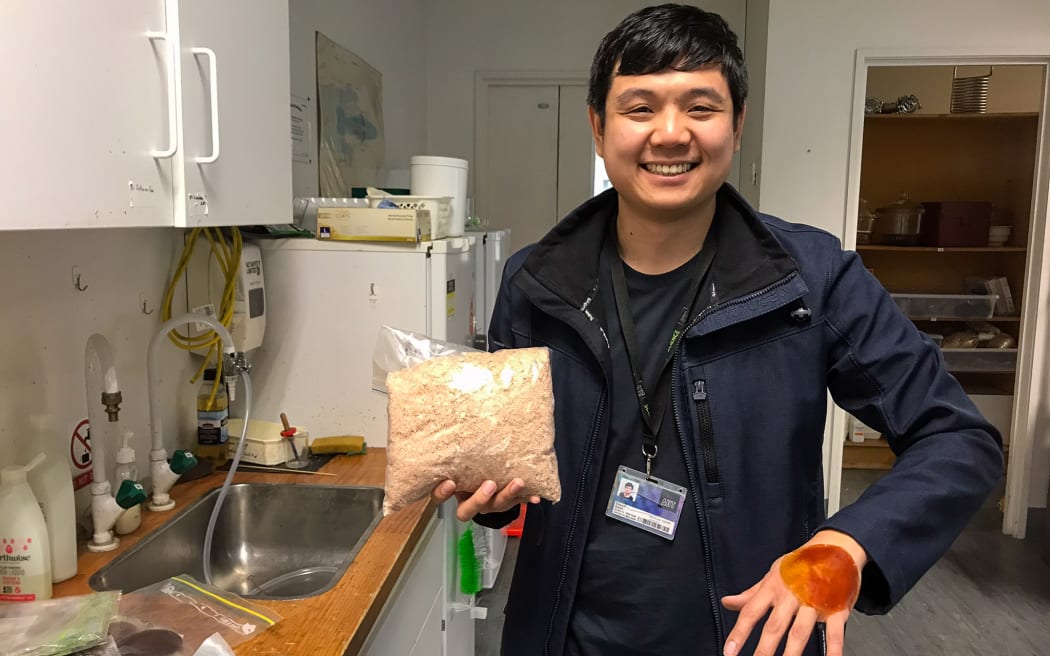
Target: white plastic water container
x=52 y=486
x=443 y=176
x=25 y=558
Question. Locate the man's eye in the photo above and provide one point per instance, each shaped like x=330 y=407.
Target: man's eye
x=700 y=109
x=640 y=110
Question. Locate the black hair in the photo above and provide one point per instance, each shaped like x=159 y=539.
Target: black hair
x=668 y=37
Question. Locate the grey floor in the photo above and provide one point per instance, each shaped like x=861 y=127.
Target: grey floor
x=988 y=596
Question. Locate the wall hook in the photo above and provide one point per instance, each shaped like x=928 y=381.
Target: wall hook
x=145 y=304
x=76 y=283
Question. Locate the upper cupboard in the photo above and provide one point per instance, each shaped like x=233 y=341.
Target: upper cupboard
x=145 y=113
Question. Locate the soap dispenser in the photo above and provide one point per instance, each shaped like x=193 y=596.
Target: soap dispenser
x=25 y=557
x=126 y=470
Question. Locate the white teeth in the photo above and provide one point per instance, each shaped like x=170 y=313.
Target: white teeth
x=668 y=169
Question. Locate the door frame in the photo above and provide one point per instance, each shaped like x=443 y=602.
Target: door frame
x=483 y=80
x=1032 y=416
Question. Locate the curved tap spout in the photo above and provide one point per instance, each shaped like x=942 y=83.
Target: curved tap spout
x=103 y=400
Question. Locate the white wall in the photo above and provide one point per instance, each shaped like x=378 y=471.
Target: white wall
x=389 y=35
x=466 y=36
x=809 y=82
x=45 y=324
x=809 y=89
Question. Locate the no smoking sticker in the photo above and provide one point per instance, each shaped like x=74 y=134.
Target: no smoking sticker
x=80 y=454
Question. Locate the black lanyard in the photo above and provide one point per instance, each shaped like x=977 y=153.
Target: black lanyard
x=653 y=413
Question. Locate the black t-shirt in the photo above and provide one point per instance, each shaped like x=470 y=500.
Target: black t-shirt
x=638 y=593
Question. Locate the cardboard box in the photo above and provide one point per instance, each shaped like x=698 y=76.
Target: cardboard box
x=372 y=224
x=956 y=223
x=859 y=431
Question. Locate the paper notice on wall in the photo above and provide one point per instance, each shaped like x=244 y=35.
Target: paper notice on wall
x=302 y=113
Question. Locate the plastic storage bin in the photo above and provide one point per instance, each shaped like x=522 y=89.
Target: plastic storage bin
x=946 y=306
x=440 y=210
x=980 y=359
x=489 y=544
x=515 y=528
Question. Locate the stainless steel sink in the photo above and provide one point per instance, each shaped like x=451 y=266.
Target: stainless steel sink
x=270 y=541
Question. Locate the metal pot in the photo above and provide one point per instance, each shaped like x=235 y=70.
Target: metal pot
x=899 y=222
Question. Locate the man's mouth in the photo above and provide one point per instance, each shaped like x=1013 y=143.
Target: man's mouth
x=669 y=169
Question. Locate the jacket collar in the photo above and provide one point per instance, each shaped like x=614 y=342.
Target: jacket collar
x=749 y=257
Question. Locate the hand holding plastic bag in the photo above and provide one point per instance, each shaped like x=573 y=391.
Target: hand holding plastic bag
x=467 y=416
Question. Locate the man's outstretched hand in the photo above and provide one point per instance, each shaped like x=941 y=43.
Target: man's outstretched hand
x=819 y=582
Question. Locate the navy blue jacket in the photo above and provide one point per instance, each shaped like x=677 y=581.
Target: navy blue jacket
x=796 y=316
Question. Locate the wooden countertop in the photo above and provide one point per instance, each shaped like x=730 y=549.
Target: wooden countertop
x=330 y=624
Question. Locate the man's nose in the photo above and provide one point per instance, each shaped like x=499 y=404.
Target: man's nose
x=671 y=129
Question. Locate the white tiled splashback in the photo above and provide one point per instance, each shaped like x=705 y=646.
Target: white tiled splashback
x=45 y=322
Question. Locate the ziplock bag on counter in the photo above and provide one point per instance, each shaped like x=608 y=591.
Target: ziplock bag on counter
x=56 y=626
x=466 y=415
x=194 y=610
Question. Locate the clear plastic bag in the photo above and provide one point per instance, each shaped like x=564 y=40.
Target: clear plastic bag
x=54 y=627
x=192 y=610
x=466 y=415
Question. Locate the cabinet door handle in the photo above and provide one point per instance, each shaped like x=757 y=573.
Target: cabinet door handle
x=213 y=82
x=173 y=141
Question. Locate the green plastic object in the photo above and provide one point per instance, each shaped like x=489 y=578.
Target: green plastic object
x=182 y=461
x=130 y=494
x=469 y=567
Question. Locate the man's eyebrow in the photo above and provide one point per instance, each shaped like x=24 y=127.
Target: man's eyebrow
x=647 y=94
x=705 y=92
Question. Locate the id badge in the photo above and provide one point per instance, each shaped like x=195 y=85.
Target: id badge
x=651 y=504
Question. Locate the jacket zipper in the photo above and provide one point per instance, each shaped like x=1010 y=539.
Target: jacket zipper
x=707 y=436
x=707 y=442
x=572 y=525
x=708 y=561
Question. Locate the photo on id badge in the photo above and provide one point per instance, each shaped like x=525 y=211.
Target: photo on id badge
x=648 y=503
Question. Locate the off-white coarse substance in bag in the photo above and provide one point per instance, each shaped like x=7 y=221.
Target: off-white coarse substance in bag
x=471 y=418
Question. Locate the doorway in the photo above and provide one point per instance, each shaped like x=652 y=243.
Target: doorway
x=534 y=151
x=993 y=159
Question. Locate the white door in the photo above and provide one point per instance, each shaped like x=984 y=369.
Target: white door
x=538 y=158
x=236 y=143
x=85 y=102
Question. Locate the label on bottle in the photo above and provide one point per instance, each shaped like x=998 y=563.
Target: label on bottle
x=211 y=427
x=15 y=558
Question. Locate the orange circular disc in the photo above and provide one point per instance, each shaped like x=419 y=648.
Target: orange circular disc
x=821 y=576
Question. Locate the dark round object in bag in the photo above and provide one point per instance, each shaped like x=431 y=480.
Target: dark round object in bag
x=151 y=642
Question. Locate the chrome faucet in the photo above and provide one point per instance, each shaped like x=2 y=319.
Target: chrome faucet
x=163 y=474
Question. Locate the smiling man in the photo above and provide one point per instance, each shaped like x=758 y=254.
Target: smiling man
x=693 y=342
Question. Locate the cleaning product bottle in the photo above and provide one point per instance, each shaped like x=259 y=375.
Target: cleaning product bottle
x=126 y=470
x=25 y=558
x=52 y=485
x=212 y=415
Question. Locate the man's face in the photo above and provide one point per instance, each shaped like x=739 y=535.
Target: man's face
x=628 y=489
x=668 y=140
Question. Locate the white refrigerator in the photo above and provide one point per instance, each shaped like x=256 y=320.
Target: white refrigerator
x=326 y=302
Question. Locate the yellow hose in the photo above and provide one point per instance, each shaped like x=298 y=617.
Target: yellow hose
x=228 y=257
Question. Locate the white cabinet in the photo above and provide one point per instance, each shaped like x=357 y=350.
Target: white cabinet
x=110 y=113
x=84 y=103
x=410 y=623
x=235 y=158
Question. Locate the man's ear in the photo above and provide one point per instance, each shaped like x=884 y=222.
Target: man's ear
x=598 y=131
x=738 y=129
